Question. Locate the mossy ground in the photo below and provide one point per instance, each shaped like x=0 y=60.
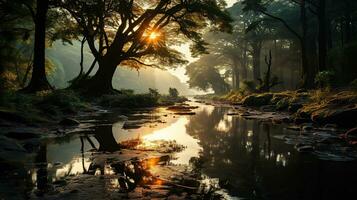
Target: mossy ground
x=321 y=106
x=51 y=106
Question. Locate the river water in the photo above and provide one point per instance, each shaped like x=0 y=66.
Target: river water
x=242 y=155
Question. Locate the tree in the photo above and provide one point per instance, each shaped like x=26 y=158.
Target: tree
x=204 y=75
x=261 y=7
x=173 y=93
x=133 y=33
x=39 y=80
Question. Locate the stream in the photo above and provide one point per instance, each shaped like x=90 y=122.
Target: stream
x=245 y=159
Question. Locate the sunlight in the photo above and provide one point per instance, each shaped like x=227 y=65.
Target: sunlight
x=154 y=35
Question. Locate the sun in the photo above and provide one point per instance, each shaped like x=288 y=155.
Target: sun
x=154 y=35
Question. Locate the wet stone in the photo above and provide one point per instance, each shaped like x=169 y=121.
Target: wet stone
x=69 y=122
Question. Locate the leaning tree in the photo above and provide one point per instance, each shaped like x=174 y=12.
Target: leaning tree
x=141 y=33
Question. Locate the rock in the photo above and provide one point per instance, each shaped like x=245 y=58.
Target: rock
x=185 y=113
x=69 y=122
x=12 y=116
x=258 y=100
x=267 y=108
x=11 y=151
x=345 y=116
x=32 y=145
x=122 y=117
x=294 y=128
x=307 y=128
x=299 y=120
x=304 y=149
x=22 y=135
x=282 y=104
x=182 y=107
x=301 y=91
x=10 y=145
x=351 y=134
x=131 y=125
x=233 y=113
x=294 y=107
x=330 y=126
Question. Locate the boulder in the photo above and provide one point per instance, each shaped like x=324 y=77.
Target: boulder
x=306 y=148
x=69 y=122
x=132 y=125
x=267 y=108
x=351 y=134
x=257 y=100
x=22 y=135
x=343 y=116
x=294 y=107
x=11 y=152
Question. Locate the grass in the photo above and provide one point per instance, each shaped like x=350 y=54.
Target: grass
x=40 y=107
x=50 y=106
x=322 y=105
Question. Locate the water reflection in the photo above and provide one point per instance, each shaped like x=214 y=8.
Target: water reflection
x=238 y=155
x=251 y=164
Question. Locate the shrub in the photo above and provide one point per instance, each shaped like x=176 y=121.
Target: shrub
x=353 y=84
x=325 y=79
x=173 y=93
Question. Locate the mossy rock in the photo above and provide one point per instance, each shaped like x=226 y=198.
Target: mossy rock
x=294 y=107
x=258 y=100
x=282 y=104
x=342 y=116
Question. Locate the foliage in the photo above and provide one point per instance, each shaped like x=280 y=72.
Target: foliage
x=43 y=106
x=353 y=84
x=325 y=79
x=130 y=100
x=144 y=32
x=203 y=75
x=173 y=93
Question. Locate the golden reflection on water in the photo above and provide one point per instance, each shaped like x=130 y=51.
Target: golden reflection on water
x=75 y=167
x=177 y=132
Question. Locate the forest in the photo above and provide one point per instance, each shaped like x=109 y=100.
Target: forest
x=178 y=99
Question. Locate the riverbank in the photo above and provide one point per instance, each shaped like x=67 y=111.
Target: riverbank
x=213 y=153
x=28 y=119
x=321 y=107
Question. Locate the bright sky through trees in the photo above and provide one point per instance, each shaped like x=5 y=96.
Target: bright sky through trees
x=180 y=72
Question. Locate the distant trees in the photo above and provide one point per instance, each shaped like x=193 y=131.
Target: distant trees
x=306 y=40
x=173 y=93
x=141 y=33
x=204 y=75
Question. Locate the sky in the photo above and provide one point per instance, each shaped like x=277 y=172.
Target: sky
x=180 y=71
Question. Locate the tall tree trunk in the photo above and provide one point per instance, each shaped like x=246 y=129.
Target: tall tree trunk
x=307 y=76
x=256 y=60
x=244 y=70
x=236 y=79
x=101 y=82
x=347 y=23
x=38 y=80
x=322 y=34
x=235 y=71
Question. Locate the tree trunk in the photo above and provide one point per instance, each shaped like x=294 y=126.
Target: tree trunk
x=347 y=23
x=307 y=76
x=236 y=80
x=256 y=60
x=322 y=34
x=101 y=82
x=243 y=61
x=235 y=72
x=38 y=80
